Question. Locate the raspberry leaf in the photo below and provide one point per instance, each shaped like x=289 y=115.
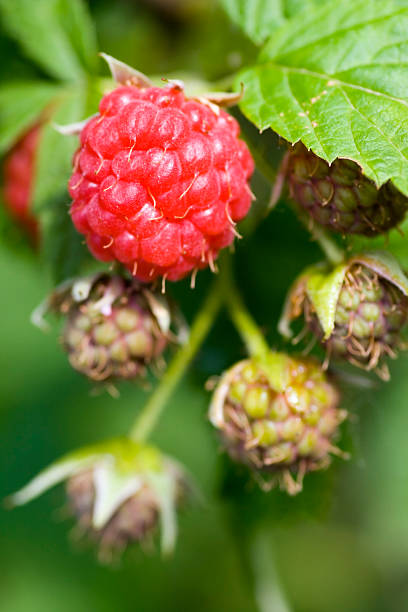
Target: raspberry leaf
x=260 y=18
x=21 y=103
x=56 y=34
x=78 y=25
x=62 y=246
x=386 y=266
x=334 y=77
x=55 y=150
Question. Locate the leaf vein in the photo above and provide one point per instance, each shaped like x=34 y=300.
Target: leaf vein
x=333 y=81
x=363 y=116
x=381 y=18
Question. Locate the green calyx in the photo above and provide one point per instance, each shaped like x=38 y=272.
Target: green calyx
x=128 y=456
x=118 y=475
x=356 y=309
x=275 y=366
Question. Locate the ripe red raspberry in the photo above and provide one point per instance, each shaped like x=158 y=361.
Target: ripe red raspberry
x=18 y=180
x=159 y=181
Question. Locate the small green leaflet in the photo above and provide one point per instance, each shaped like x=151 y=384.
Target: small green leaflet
x=80 y=30
x=57 y=34
x=396 y=243
x=260 y=18
x=62 y=245
x=21 y=104
x=336 y=78
x=386 y=265
x=54 y=157
x=323 y=291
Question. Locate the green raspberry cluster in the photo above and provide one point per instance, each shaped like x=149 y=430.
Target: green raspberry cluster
x=283 y=432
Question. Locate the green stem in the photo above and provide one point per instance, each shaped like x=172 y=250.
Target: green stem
x=329 y=247
x=245 y=324
x=147 y=420
x=333 y=253
x=268 y=590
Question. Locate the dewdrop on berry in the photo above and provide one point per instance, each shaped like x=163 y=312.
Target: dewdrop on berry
x=356 y=310
x=279 y=416
x=160 y=180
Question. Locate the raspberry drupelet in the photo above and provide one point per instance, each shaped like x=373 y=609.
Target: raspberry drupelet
x=18 y=181
x=159 y=181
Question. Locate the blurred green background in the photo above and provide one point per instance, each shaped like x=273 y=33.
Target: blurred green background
x=342 y=544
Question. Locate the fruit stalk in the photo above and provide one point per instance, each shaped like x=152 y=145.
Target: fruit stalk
x=333 y=253
x=146 y=421
x=246 y=326
x=268 y=589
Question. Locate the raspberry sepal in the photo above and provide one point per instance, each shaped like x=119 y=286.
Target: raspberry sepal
x=116 y=472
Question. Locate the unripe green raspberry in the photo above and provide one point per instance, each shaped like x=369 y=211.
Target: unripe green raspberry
x=369 y=316
x=340 y=197
x=113 y=333
x=284 y=432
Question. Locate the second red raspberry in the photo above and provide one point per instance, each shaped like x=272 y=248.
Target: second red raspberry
x=159 y=181
x=19 y=170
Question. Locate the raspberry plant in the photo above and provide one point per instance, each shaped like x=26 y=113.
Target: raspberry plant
x=137 y=188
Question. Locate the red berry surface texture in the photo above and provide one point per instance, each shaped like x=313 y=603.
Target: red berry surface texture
x=159 y=181
x=19 y=169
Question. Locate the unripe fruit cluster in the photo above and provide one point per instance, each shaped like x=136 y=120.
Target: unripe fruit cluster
x=280 y=432
x=340 y=197
x=117 y=344
x=370 y=315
